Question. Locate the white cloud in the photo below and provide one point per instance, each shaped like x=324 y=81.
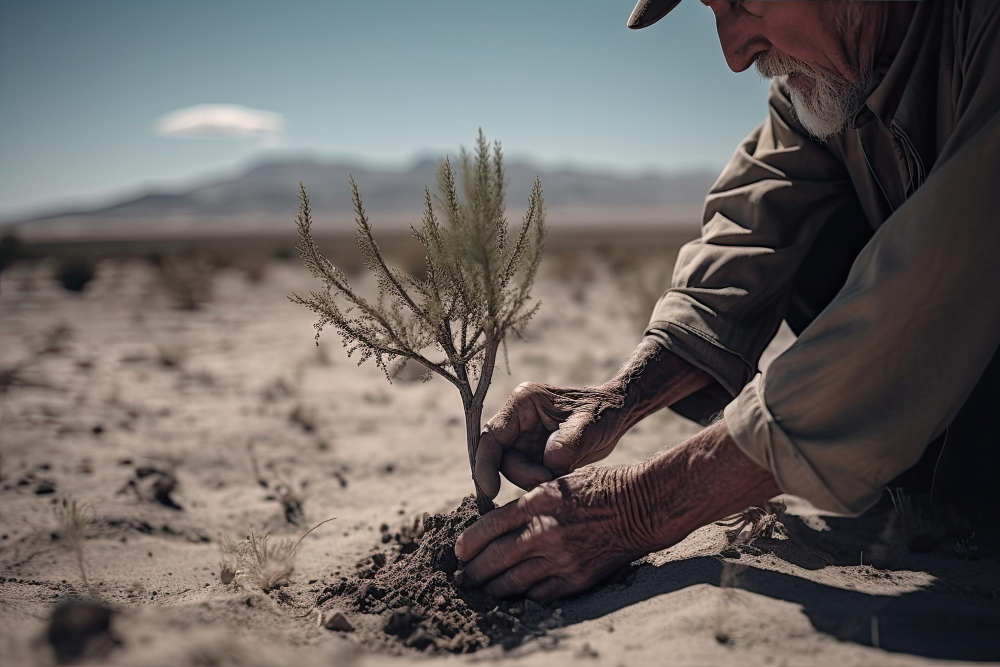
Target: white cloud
x=220 y=121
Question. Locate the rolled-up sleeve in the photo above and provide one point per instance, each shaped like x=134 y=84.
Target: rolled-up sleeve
x=886 y=366
x=730 y=287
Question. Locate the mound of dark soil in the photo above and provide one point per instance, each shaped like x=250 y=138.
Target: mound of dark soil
x=416 y=587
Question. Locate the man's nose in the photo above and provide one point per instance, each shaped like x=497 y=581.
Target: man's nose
x=739 y=33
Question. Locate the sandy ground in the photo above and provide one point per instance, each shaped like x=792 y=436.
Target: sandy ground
x=103 y=387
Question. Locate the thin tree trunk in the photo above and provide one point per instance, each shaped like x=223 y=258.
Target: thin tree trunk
x=473 y=425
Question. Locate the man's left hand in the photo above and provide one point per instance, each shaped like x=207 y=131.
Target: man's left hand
x=566 y=535
x=557 y=540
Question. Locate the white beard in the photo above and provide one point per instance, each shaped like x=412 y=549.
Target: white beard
x=833 y=101
x=830 y=105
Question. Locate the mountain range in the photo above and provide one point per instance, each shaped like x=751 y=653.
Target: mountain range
x=263 y=199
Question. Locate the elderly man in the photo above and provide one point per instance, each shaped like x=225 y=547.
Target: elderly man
x=860 y=212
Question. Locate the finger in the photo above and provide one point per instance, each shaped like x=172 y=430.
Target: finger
x=501 y=520
x=519 y=578
x=517 y=414
x=546 y=590
x=528 y=408
x=563 y=448
x=499 y=555
x=489 y=457
x=519 y=470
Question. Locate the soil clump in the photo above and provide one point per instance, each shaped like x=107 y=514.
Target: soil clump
x=416 y=587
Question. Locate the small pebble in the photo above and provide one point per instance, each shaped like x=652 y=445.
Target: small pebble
x=338 y=622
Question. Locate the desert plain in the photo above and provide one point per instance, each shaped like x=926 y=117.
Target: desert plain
x=181 y=406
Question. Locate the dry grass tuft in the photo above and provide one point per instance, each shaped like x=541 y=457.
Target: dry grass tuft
x=754 y=522
x=74 y=519
x=259 y=562
x=915 y=520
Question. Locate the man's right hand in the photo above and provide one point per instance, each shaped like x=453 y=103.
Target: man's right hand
x=543 y=432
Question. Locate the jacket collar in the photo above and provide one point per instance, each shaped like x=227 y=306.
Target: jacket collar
x=896 y=74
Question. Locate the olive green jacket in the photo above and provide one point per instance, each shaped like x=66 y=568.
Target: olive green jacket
x=884 y=368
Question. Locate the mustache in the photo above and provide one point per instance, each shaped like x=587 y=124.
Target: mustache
x=771 y=64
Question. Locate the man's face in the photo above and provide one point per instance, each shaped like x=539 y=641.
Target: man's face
x=816 y=45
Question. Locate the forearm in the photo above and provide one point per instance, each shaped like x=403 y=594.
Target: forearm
x=651 y=379
x=703 y=479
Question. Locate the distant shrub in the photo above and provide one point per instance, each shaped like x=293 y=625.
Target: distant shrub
x=189 y=279
x=253 y=266
x=75 y=273
x=285 y=253
x=10 y=247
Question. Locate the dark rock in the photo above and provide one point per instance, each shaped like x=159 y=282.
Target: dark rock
x=78 y=628
x=153 y=485
x=338 y=622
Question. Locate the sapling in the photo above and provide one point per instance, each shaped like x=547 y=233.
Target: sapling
x=477 y=286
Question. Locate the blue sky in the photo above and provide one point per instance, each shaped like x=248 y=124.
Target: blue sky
x=85 y=84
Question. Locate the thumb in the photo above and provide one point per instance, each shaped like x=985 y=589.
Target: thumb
x=488 y=458
x=563 y=449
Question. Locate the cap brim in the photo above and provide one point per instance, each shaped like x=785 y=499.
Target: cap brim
x=648 y=12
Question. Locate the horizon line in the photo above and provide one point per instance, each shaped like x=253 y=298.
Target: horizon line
x=119 y=194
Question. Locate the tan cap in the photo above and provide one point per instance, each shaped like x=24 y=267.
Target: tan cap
x=648 y=12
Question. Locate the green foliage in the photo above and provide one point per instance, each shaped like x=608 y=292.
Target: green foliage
x=476 y=289
x=477 y=285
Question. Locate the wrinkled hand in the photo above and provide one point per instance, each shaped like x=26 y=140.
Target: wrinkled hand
x=543 y=432
x=557 y=540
